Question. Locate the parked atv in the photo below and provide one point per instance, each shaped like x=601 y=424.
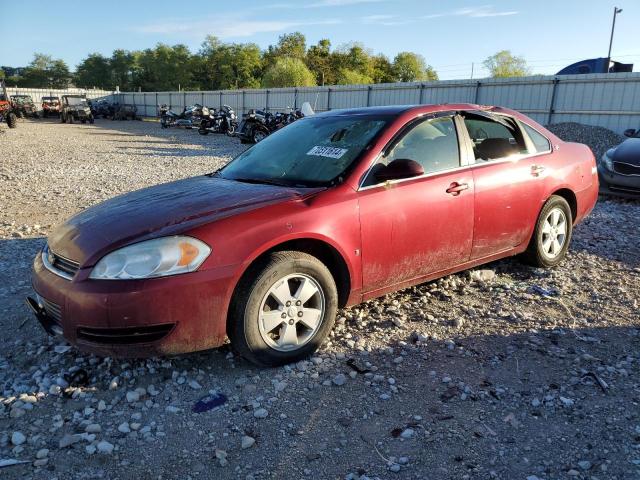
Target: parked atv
x=6 y=109
x=219 y=121
x=50 y=106
x=75 y=108
x=125 y=111
x=24 y=107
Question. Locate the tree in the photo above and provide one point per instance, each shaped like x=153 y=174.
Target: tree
x=353 y=56
x=166 y=68
x=319 y=61
x=382 y=70
x=94 y=71
x=233 y=65
x=45 y=72
x=288 y=72
x=2 y=74
x=123 y=69
x=290 y=45
x=411 y=67
x=351 y=77
x=503 y=64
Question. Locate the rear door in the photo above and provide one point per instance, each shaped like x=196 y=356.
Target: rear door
x=421 y=225
x=508 y=177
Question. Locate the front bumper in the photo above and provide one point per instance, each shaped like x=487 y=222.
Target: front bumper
x=137 y=318
x=612 y=183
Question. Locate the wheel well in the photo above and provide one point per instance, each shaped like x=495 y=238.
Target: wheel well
x=571 y=199
x=323 y=252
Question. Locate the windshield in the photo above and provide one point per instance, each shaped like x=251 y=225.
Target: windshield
x=76 y=101
x=311 y=152
x=21 y=99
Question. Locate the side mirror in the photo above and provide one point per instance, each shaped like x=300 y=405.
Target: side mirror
x=399 y=169
x=630 y=132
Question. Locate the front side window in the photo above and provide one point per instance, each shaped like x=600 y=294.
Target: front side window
x=492 y=139
x=432 y=143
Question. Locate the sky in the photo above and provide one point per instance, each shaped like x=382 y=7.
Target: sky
x=451 y=35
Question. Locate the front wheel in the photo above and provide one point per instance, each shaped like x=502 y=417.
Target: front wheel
x=12 y=120
x=258 y=135
x=283 y=309
x=552 y=234
x=203 y=131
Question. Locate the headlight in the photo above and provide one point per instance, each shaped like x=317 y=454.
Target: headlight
x=608 y=163
x=159 y=257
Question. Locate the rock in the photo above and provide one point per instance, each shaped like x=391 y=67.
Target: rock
x=69 y=440
x=339 y=379
x=195 y=385
x=407 y=433
x=260 y=413
x=133 y=396
x=124 y=427
x=18 y=438
x=105 y=447
x=567 y=402
x=221 y=455
x=93 y=428
x=584 y=464
x=395 y=468
x=483 y=275
x=102 y=406
x=42 y=453
x=247 y=442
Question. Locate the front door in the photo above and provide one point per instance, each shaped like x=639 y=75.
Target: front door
x=414 y=227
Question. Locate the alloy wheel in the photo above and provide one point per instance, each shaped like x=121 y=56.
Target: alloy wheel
x=554 y=233
x=291 y=312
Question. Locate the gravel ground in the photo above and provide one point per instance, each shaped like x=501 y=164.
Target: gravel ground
x=507 y=373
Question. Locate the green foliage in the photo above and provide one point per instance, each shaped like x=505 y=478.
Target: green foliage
x=2 y=75
x=94 y=71
x=504 y=64
x=411 y=67
x=220 y=66
x=288 y=72
x=43 y=72
x=351 y=77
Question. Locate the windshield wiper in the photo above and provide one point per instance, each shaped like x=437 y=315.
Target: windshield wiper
x=263 y=181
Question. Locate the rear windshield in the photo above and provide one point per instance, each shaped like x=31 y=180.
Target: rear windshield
x=310 y=152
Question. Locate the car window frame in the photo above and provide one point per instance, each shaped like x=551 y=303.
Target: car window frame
x=511 y=158
x=464 y=153
x=527 y=136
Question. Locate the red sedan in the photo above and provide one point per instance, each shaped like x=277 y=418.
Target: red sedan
x=331 y=211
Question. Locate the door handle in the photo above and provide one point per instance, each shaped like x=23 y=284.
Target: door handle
x=536 y=170
x=455 y=188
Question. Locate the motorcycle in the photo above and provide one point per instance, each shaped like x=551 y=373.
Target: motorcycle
x=258 y=124
x=189 y=118
x=219 y=121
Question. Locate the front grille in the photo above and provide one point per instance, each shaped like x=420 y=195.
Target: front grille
x=125 y=335
x=59 y=265
x=626 y=168
x=53 y=310
x=67 y=266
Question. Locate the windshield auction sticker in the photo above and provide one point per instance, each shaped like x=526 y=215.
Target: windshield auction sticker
x=330 y=152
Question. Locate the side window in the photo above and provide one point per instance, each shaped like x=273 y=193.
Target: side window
x=493 y=140
x=539 y=141
x=431 y=143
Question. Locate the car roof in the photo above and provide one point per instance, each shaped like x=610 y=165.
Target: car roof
x=395 y=110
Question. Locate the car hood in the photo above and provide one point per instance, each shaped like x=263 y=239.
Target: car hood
x=627 y=152
x=167 y=209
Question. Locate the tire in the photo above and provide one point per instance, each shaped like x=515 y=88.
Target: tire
x=83 y=121
x=231 y=131
x=63 y=118
x=12 y=120
x=258 y=135
x=91 y=120
x=254 y=294
x=70 y=118
x=203 y=131
x=542 y=250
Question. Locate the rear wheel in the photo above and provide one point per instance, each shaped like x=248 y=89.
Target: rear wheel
x=70 y=118
x=91 y=119
x=552 y=234
x=259 y=135
x=283 y=309
x=12 y=120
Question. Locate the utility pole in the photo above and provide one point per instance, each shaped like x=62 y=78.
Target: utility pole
x=471 y=70
x=616 y=11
